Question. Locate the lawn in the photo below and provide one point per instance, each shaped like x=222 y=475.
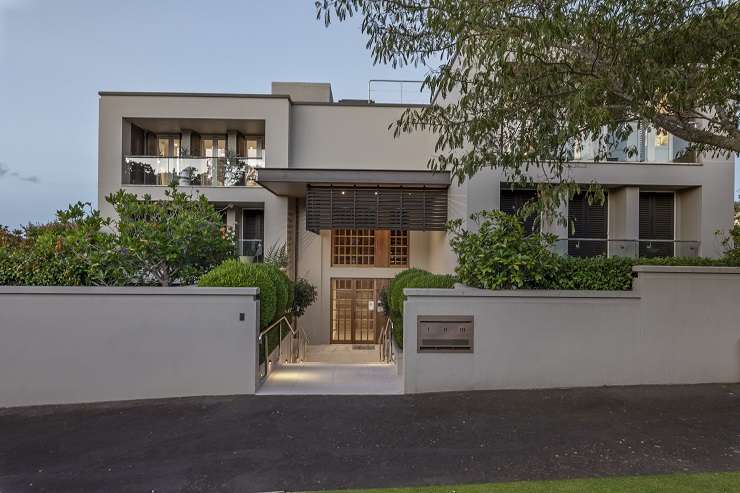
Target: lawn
x=677 y=483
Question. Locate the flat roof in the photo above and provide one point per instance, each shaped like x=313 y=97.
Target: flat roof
x=340 y=103
x=292 y=182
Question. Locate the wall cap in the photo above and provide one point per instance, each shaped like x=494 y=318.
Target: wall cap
x=686 y=269
x=109 y=290
x=468 y=292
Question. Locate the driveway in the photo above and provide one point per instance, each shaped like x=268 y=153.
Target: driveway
x=261 y=443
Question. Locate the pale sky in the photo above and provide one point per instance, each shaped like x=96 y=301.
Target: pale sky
x=55 y=55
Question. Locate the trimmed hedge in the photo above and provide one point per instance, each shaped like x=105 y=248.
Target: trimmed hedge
x=411 y=278
x=283 y=289
x=235 y=274
x=593 y=273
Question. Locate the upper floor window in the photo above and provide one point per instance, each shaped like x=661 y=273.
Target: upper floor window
x=213 y=146
x=168 y=145
x=370 y=248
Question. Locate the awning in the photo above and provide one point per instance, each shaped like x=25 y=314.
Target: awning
x=293 y=182
x=394 y=208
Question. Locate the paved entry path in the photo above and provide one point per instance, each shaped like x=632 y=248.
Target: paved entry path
x=265 y=443
x=333 y=379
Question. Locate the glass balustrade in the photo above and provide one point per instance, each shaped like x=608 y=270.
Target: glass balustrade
x=590 y=247
x=191 y=171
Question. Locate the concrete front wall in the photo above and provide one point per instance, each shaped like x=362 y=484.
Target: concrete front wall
x=678 y=326
x=354 y=137
x=64 y=345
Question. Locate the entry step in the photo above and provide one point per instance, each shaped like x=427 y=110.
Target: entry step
x=342 y=353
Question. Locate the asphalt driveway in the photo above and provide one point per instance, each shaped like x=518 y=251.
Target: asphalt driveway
x=265 y=443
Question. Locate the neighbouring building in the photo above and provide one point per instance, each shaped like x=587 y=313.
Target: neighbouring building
x=353 y=205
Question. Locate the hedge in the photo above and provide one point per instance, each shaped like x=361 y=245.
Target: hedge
x=283 y=288
x=411 y=278
x=235 y=274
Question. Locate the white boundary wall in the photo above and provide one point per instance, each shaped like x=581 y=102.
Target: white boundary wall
x=70 y=344
x=679 y=325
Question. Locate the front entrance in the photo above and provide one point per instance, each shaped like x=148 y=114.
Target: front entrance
x=357 y=317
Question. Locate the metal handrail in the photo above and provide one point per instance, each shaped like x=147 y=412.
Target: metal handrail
x=296 y=333
x=384 y=341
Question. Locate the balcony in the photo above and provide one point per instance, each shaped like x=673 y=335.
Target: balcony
x=590 y=247
x=250 y=250
x=191 y=171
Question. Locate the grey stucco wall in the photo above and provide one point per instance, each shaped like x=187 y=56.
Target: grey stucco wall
x=64 y=345
x=677 y=326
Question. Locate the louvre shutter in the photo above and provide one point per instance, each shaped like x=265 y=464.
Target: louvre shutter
x=656 y=223
x=588 y=221
x=376 y=208
x=513 y=200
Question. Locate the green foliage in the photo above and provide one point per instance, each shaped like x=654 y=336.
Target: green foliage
x=411 y=278
x=304 y=296
x=277 y=255
x=732 y=242
x=595 y=273
x=235 y=274
x=74 y=250
x=283 y=288
x=520 y=85
x=501 y=255
x=170 y=241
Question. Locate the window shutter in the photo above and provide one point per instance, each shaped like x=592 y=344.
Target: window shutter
x=590 y=221
x=513 y=200
x=656 y=223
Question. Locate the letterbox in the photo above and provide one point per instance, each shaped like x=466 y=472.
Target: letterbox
x=444 y=334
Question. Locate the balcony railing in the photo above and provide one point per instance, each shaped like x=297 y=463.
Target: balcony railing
x=590 y=247
x=250 y=250
x=191 y=171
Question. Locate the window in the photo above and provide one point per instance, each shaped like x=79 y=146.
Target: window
x=399 y=249
x=513 y=200
x=168 y=145
x=353 y=247
x=213 y=146
x=587 y=236
x=370 y=247
x=656 y=224
x=661 y=138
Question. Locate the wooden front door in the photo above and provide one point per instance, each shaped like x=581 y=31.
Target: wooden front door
x=356 y=314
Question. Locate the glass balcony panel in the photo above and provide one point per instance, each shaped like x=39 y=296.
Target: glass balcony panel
x=623 y=248
x=250 y=250
x=585 y=247
x=191 y=171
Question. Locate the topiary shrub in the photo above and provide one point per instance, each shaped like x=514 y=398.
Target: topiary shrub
x=234 y=274
x=411 y=278
x=283 y=288
x=304 y=296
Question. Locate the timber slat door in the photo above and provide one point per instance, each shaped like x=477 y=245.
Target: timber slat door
x=355 y=316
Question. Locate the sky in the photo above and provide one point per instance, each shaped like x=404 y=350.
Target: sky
x=55 y=55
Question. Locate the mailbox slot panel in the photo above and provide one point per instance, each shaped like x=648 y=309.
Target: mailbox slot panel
x=444 y=334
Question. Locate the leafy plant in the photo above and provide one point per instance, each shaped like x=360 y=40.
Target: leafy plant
x=277 y=255
x=235 y=274
x=169 y=241
x=501 y=254
x=304 y=296
x=283 y=288
x=411 y=278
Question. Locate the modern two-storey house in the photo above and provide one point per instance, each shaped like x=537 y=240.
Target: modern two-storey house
x=353 y=205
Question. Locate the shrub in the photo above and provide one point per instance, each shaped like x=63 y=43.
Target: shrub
x=595 y=273
x=304 y=296
x=170 y=241
x=235 y=274
x=411 y=278
x=283 y=288
x=501 y=254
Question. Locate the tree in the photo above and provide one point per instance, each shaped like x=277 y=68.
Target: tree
x=170 y=241
x=520 y=84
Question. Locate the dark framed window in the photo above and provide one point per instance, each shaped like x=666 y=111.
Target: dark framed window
x=588 y=225
x=657 y=217
x=513 y=200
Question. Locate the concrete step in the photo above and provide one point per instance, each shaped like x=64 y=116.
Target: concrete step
x=333 y=379
x=342 y=353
